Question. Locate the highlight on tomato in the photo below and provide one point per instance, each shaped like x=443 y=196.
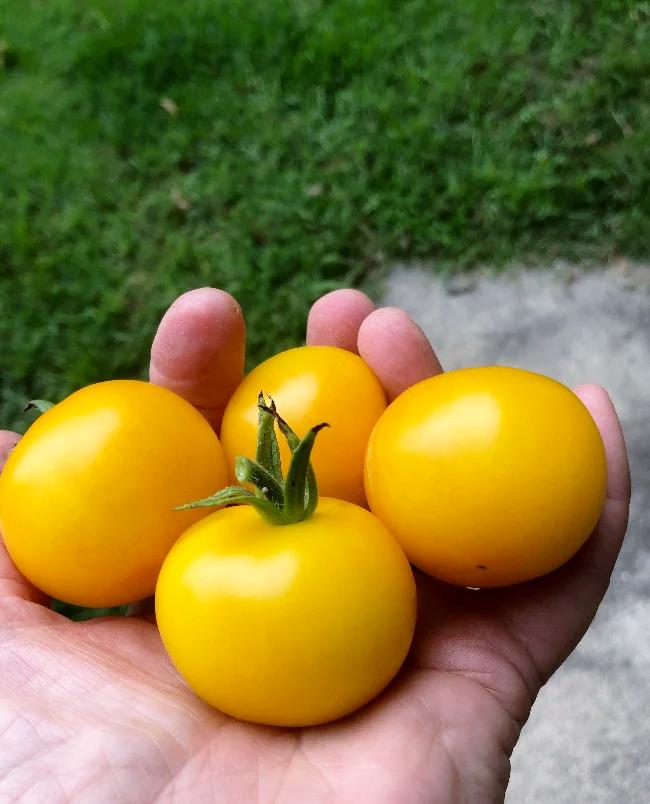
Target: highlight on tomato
x=286 y=609
x=487 y=476
x=310 y=384
x=86 y=497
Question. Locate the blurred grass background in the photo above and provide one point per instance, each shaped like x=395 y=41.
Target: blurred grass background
x=279 y=149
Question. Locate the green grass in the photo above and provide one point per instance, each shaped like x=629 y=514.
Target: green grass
x=307 y=145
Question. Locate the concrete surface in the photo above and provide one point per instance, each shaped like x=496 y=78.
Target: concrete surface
x=588 y=738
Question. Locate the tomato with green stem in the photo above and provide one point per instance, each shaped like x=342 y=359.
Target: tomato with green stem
x=86 y=497
x=487 y=476
x=286 y=609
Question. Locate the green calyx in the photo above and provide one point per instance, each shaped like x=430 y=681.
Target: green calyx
x=280 y=500
x=41 y=405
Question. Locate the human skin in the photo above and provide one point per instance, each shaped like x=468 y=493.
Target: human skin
x=95 y=712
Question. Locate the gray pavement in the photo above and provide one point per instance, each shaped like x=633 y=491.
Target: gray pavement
x=588 y=738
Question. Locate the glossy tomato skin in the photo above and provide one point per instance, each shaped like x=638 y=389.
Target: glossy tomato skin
x=86 y=496
x=288 y=625
x=487 y=476
x=312 y=384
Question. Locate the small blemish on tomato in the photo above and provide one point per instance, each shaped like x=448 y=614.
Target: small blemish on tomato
x=481 y=566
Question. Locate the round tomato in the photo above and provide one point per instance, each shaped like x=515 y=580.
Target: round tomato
x=311 y=384
x=487 y=476
x=287 y=625
x=86 y=496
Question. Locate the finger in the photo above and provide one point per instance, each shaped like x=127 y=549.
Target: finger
x=596 y=561
x=552 y=614
x=598 y=403
x=396 y=350
x=8 y=441
x=334 y=320
x=198 y=350
x=12 y=583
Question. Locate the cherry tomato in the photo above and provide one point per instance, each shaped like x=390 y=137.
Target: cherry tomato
x=86 y=496
x=311 y=384
x=287 y=625
x=487 y=476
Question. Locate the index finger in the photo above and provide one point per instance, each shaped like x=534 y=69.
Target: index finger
x=198 y=350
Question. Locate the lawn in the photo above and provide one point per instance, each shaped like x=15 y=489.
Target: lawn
x=280 y=149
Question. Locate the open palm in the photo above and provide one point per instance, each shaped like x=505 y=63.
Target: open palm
x=95 y=712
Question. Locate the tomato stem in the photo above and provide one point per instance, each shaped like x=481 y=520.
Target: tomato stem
x=235 y=495
x=299 y=490
x=280 y=501
x=267 y=453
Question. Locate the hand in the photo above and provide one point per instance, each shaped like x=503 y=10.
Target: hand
x=94 y=712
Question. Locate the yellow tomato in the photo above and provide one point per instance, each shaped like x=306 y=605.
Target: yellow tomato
x=86 y=497
x=312 y=384
x=487 y=476
x=287 y=625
